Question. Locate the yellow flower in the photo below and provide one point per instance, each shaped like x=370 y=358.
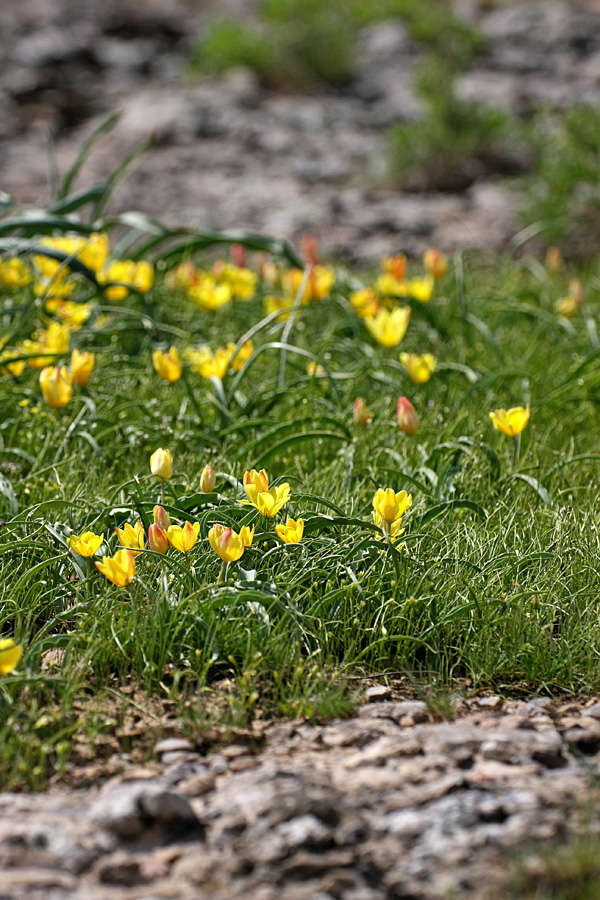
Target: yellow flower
x=420 y=368
x=167 y=365
x=226 y=543
x=207 y=294
x=395 y=265
x=56 y=385
x=82 y=366
x=241 y=281
x=161 y=463
x=120 y=568
x=291 y=532
x=319 y=284
x=86 y=544
x=183 y=539
x=15 y=368
x=364 y=302
x=128 y=274
x=247 y=535
x=553 y=259
x=510 y=421
x=14 y=273
x=207 y=364
x=435 y=263
x=274 y=303
x=390 y=506
x=408 y=419
x=132 y=537
x=161 y=518
x=316 y=370
x=392 y=531
x=387 y=284
x=421 y=288
x=10 y=654
x=388 y=328
x=207 y=480
x=362 y=414
x=95 y=250
x=73 y=314
x=566 y=307
x=268 y=501
x=242 y=356
x=157 y=539
x=55 y=341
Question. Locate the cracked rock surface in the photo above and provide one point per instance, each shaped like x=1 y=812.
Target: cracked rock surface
x=390 y=805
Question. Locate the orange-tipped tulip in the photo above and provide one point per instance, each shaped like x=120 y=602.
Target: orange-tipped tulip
x=120 y=568
x=408 y=419
x=183 y=539
x=132 y=537
x=226 y=543
x=161 y=518
x=157 y=539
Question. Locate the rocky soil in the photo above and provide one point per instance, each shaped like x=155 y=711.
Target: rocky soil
x=390 y=805
x=229 y=154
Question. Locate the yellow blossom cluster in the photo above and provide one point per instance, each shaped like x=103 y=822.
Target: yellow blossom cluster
x=210 y=290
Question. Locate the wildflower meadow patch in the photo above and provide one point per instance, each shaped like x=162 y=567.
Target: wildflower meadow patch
x=223 y=463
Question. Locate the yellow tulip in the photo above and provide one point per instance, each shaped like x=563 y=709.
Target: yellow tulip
x=128 y=274
x=161 y=463
x=161 y=518
x=82 y=366
x=226 y=543
x=247 y=535
x=120 y=568
x=183 y=539
x=242 y=356
x=167 y=365
x=408 y=419
x=207 y=363
x=207 y=480
x=132 y=537
x=56 y=385
x=268 y=501
x=364 y=302
x=395 y=265
x=435 y=263
x=86 y=544
x=157 y=539
x=388 y=328
x=390 y=506
x=510 y=421
x=421 y=288
x=14 y=273
x=291 y=532
x=15 y=368
x=10 y=654
x=553 y=259
x=391 y=531
x=420 y=368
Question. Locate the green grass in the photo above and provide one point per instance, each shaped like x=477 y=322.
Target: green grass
x=496 y=578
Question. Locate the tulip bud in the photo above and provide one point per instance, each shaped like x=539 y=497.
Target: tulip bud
x=161 y=463
x=56 y=385
x=362 y=415
x=238 y=255
x=576 y=292
x=207 y=480
x=157 y=539
x=553 y=259
x=435 y=263
x=161 y=518
x=82 y=365
x=407 y=416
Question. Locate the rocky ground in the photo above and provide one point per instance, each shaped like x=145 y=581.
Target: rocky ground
x=394 y=804
x=229 y=154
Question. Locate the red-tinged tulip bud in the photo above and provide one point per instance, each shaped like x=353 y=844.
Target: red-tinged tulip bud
x=161 y=518
x=207 y=480
x=310 y=250
x=157 y=539
x=576 y=292
x=238 y=255
x=435 y=263
x=362 y=414
x=408 y=419
x=553 y=259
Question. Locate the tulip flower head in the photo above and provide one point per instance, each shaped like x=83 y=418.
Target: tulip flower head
x=395 y=265
x=120 y=568
x=161 y=518
x=157 y=539
x=362 y=414
x=247 y=535
x=226 y=543
x=167 y=365
x=435 y=263
x=82 y=366
x=56 y=385
x=388 y=328
x=420 y=368
x=10 y=654
x=291 y=532
x=86 y=544
x=510 y=421
x=161 y=463
x=183 y=539
x=408 y=420
x=132 y=537
x=268 y=501
x=553 y=259
x=207 y=480
x=390 y=506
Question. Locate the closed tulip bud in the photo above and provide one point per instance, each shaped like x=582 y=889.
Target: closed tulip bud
x=408 y=419
x=161 y=463
x=207 y=480
x=362 y=414
x=82 y=366
x=435 y=263
x=167 y=365
x=553 y=259
x=56 y=385
x=161 y=518
x=157 y=539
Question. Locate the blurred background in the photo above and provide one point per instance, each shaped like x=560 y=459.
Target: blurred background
x=377 y=125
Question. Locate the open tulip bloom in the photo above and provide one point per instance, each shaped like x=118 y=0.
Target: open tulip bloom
x=10 y=654
x=268 y=501
x=86 y=544
x=120 y=568
x=132 y=537
x=183 y=539
x=389 y=506
x=291 y=532
x=511 y=422
x=227 y=544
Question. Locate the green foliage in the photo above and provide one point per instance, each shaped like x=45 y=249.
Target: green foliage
x=564 y=190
